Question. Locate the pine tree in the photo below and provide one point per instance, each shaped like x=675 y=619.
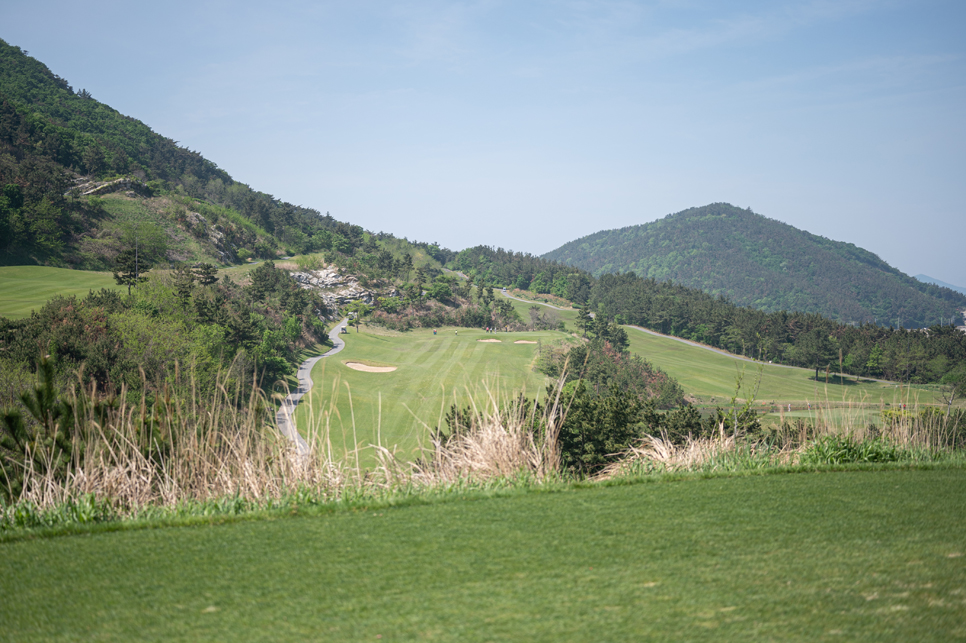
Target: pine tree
x=129 y=269
x=206 y=274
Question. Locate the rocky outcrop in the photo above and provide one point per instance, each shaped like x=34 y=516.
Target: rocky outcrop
x=200 y=228
x=336 y=289
x=95 y=188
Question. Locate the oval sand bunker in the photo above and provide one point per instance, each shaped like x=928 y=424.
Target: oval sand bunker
x=491 y=341
x=356 y=366
x=524 y=341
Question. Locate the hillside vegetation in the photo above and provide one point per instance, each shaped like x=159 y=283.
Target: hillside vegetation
x=57 y=144
x=755 y=261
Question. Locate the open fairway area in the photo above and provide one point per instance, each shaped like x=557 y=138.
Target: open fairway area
x=849 y=556
x=707 y=374
x=431 y=373
x=26 y=288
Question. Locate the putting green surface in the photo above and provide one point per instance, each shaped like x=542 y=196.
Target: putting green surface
x=859 y=556
x=432 y=372
x=25 y=288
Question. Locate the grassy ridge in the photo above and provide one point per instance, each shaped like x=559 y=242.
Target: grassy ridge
x=707 y=374
x=24 y=288
x=433 y=371
x=845 y=556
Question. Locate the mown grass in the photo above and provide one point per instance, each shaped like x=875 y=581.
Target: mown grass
x=834 y=556
x=710 y=375
x=433 y=372
x=26 y=288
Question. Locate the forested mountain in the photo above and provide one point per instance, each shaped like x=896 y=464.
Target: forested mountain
x=766 y=264
x=53 y=138
x=801 y=339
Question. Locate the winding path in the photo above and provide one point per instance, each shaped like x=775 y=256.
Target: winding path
x=286 y=425
x=538 y=303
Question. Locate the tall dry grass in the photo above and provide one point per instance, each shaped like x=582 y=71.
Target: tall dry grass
x=199 y=449
x=185 y=449
x=920 y=433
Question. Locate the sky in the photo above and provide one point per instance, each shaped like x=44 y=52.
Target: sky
x=526 y=125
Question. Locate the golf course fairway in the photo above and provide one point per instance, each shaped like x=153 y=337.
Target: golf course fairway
x=431 y=373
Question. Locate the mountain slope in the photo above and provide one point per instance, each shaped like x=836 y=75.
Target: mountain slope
x=936 y=282
x=53 y=139
x=763 y=263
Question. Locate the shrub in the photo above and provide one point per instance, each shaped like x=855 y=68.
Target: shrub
x=843 y=449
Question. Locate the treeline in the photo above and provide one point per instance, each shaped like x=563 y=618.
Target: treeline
x=799 y=339
x=182 y=328
x=509 y=269
x=755 y=261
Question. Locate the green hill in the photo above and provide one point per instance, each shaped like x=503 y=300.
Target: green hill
x=932 y=280
x=64 y=156
x=766 y=264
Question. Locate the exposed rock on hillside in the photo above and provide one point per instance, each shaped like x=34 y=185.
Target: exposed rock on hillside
x=336 y=289
x=86 y=187
x=214 y=234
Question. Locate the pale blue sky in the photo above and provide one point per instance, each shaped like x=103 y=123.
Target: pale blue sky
x=529 y=124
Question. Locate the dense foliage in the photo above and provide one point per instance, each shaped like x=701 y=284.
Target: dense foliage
x=169 y=325
x=50 y=134
x=765 y=264
x=521 y=270
x=801 y=339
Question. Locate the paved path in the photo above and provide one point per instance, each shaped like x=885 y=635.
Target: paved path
x=283 y=418
x=538 y=303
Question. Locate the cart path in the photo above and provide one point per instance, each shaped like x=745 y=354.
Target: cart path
x=286 y=425
x=537 y=303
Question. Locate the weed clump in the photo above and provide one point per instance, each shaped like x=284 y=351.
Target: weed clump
x=844 y=449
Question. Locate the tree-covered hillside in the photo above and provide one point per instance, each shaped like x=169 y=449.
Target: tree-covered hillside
x=766 y=264
x=53 y=138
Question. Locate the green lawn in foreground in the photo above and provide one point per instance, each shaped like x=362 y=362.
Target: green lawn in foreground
x=433 y=371
x=859 y=556
x=24 y=288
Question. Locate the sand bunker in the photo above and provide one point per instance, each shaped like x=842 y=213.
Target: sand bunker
x=524 y=341
x=498 y=341
x=356 y=366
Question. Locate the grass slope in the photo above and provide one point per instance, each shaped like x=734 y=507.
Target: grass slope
x=706 y=374
x=858 y=556
x=25 y=288
x=710 y=376
x=433 y=371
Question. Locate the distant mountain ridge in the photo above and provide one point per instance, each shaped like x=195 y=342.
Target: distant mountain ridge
x=766 y=264
x=936 y=282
